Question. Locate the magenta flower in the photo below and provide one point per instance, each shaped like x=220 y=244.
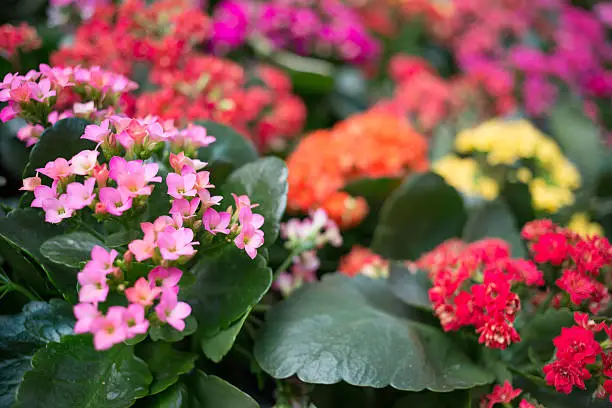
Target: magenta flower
x=135 y=321
x=174 y=243
x=142 y=293
x=9 y=112
x=216 y=221
x=57 y=169
x=83 y=163
x=165 y=278
x=80 y=195
x=85 y=313
x=184 y=208
x=97 y=133
x=249 y=239
x=110 y=329
x=171 y=311
x=116 y=202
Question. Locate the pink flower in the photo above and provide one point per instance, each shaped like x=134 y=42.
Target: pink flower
x=203 y=181
x=31 y=183
x=110 y=329
x=85 y=314
x=97 y=133
x=133 y=177
x=182 y=185
x=196 y=136
x=183 y=208
x=9 y=112
x=42 y=193
x=171 y=311
x=243 y=201
x=135 y=321
x=142 y=249
x=207 y=200
x=246 y=217
x=41 y=91
x=174 y=243
x=30 y=134
x=116 y=202
x=81 y=195
x=84 y=162
x=94 y=288
x=57 y=169
x=103 y=259
x=57 y=209
x=249 y=239
x=100 y=173
x=216 y=221
x=152 y=230
x=142 y=292
x=178 y=161
x=165 y=278
x=84 y=108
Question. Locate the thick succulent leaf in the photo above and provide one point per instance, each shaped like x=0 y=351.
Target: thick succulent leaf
x=265 y=182
x=209 y=391
x=218 y=345
x=422 y=213
x=410 y=286
x=165 y=363
x=355 y=330
x=71 y=249
x=71 y=374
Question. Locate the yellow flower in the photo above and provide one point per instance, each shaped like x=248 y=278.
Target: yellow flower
x=524 y=175
x=549 y=198
x=565 y=174
x=580 y=224
x=459 y=173
x=488 y=188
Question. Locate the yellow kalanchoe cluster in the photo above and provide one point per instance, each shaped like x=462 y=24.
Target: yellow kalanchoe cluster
x=522 y=152
x=580 y=224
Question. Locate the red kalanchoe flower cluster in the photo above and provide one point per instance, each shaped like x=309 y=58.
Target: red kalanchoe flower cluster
x=580 y=260
x=504 y=394
x=14 y=38
x=472 y=286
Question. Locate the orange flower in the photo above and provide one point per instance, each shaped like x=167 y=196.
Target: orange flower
x=369 y=145
x=363 y=261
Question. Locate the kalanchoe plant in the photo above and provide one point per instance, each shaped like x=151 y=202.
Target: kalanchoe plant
x=125 y=211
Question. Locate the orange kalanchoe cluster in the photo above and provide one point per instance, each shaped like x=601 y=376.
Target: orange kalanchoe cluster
x=369 y=145
x=362 y=261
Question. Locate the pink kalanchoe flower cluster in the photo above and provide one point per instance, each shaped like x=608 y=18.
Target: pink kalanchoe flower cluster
x=304 y=237
x=101 y=275
x=35 y=95
x=83 y=182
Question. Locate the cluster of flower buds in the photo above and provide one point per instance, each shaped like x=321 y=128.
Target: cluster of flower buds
x=303 y=238
x=581 y=260
x=472 y=286
x=37 y=94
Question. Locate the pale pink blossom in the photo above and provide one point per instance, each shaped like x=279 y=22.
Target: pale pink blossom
x=178 y=161
x=135 y=321
x=84 y=162
x=104 y=259
x=41 y=91
x=110 y=329
x=242 y=201
x=42 y=193
x=93 y=288
x=182 y=185
x=142 y=249
x=81 y=195
x=116 y=202
x=249 y=239
x=195 y=136
x=216 y=221
x=85 y=313
x=151 y=230
x=174 y=243
x=29 y=134
x=84 y=108
x=57 y=169
x=142 y=293
x=133 y=177
x=203 y=181
x=57 y=209
x=171 y=311
x=207 y=199
x=31 y=183
x=247 y=217
x=97 y=133
x=184 y=208
x=100 y=173
x=165 y=278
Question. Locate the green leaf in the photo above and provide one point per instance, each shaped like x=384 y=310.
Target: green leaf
x=518 y=198
x=21 y=335
x=442 y=142
x=165 y=363
x=217 y=346
x=354 y=330
x=230 y=151
x=70 y=249
x=265 y=182
x=26 y=229
x=63 y=139
x=121 y=238
x=209 y=391
x=422 y=213
x=170 y=334
x=411 y=287
x=174 y=397
x=374 y=190
x=228 y=283
x=71 y=374
x=434 y=399
x=493 y=219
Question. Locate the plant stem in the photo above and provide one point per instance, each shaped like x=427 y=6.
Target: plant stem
x=24 y=291
x=91 y=230
x=285 y=264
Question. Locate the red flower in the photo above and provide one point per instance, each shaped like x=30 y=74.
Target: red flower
x=583 y=320
x=577 y=344
x=551 y=247
x=607 y=385
x=565 y=374
x=521 y=270
x=590 y=255
x=606 y=361
x=498 y=333
x=526 y=404
x=533 y=230
x=502 y=394
x=578 y=286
